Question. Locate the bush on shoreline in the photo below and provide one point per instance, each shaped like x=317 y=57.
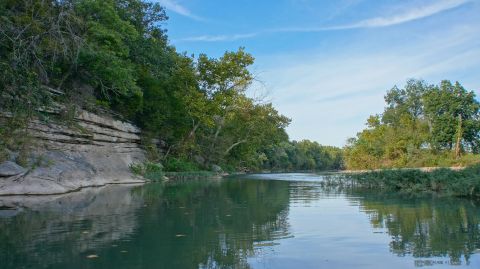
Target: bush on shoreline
x=444 y=181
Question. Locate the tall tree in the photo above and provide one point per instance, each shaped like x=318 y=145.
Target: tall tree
x=454 y=116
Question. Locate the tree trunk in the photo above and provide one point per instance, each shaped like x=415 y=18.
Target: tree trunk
x=459 y=137
x=215 y=137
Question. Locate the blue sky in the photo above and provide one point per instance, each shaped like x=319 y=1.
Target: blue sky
x=326 y=64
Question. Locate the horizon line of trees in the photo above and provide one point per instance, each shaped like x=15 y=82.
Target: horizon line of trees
x=304 y=155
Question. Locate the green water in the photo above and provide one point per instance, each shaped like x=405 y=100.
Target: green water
x=267 y=221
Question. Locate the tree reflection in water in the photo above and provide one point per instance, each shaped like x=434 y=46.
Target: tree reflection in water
x=426 y=227
x=221 y=222
x=202 y=223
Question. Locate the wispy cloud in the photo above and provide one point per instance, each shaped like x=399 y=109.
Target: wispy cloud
x=174 y=6
x=214 y=38
x=411 y=14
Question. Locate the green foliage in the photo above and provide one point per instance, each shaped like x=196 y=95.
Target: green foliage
x=3 y=154
x=420 y=126
x=228 y=74
x=137 y=168
x=190 y=175
x=27 y=56
x=464 y=182
x=14 y=138
x=180 y=165
x=148 y=170
x=302 y=156
x=445 y=107
x=67 y=114
x=105 y=56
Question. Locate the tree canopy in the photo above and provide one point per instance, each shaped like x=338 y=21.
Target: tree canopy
x=421 y=125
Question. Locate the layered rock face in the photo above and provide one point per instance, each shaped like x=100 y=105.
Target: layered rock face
x=93 y=151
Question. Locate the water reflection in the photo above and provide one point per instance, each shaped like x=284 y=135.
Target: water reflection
x=426 y=227
x=206 y=224
x=227 y=223
x=219 y=223
x=37 y=232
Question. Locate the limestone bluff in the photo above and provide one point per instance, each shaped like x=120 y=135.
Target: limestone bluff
x=96 y=151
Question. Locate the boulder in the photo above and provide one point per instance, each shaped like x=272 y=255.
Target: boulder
x=9 y=168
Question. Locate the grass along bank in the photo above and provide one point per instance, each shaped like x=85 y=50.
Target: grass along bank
x=158 y=172
x=444 y=181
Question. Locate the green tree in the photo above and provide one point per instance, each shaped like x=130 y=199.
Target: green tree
x=302 y=155
x=454 y=116
x=421 y=123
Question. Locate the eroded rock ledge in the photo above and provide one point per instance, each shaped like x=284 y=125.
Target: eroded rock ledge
x=93 y=151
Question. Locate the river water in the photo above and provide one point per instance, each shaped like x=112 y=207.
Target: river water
x=252 y=221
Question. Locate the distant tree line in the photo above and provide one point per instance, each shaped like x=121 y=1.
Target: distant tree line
x=422 y=125
x=304 y=155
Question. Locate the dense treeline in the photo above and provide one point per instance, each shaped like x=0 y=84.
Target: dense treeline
x=304 y=155
x=115 y=55
x=422 y=125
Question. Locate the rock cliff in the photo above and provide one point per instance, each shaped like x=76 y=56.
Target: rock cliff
x=91 y=151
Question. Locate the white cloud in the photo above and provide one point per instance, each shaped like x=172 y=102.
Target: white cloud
x=174 y=6
x=411 y=14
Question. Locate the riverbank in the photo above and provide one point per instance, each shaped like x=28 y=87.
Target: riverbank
x=458 y=181
x=423 y=169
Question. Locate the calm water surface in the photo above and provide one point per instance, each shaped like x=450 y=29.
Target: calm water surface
x=256 y=221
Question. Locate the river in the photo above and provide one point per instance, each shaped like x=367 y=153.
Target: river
x=251 y=221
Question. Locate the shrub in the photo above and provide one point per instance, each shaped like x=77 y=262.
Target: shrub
x=149 y=170
x=180 y=165
x=444 y=181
